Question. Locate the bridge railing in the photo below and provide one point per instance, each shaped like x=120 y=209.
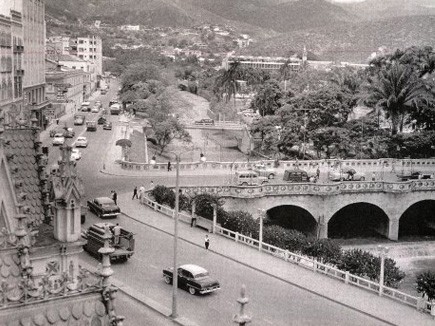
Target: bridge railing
x=314 y=188
x=304 y=261
x=362 y=166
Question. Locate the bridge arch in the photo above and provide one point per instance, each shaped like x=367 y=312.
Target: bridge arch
x=418 y=219
x=358 y=219
x=293 y=217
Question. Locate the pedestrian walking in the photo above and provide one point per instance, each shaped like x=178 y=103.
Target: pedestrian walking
x=141 y=191
x=207 y=241
x=169 y=166
x=135 y=193
x=318 y=172
x=152 y=185
x=115 y=197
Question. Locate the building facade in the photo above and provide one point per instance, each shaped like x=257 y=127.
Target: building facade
x=33 y=19
x=66 y=89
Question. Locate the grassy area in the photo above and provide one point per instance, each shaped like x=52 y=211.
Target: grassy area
x=137 y=151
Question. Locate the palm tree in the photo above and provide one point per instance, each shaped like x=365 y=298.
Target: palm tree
x=227 y=82
x=285 y=73
x=396 y=90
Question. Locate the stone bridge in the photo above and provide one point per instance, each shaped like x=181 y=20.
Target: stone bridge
x=389 y=208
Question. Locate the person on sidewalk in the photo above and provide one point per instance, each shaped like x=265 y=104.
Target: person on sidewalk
x=152 y=185
x=141 y=191
x=206 y=242
x=135 y=193
x=169 y=166
x=115 y=197
x=193 y=221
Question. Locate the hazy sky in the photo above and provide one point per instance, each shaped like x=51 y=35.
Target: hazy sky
x=348 y=0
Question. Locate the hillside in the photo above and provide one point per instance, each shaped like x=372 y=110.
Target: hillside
x=351 y=42
x=375 y=9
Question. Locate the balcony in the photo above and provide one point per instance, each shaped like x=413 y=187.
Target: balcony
x=19 y=72
x=18 y=48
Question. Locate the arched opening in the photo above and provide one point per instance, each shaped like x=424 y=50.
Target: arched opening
x=360 y=220
x=418 y=220
x=292 y=217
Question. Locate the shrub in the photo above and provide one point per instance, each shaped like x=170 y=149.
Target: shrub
x=326 y=249
x=365 y=264
x=163 y=195
x=204 y=205
x=278 y=236
x=240 y=221
x=426 y=284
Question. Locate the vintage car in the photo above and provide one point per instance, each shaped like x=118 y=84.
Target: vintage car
x=192 y=278
x=414 y=176
x=107 y=125
x=56 y=131
x=102 y=120
x=75 y=154
x=249 y=178
x=69 y=133
x=95 y=109
x=123 y=245
x=91 y=126
x=104 y=207
x=265 y=171
x=81 y=142
x=295 y=175
x=58 y=139
x=346 y=176
x=79 y=119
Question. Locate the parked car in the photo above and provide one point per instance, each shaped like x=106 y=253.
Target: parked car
x=124 y=246
x=102 y=120
x=415 y=176
x=58 y=139
x=79 y=119
x=205 y=122
x=55 y=131
x=346 y=176
x=95 y=109
x=265 y=171
x=85 y=107
x=75 y=154
x=295 y=175
x=104 y=207
x=107 y=125
x=91 y=126
x=103 y=91
x=192 y=278
x=81 y=142
x=98 y=104
x=249 y=178
x=69 y=133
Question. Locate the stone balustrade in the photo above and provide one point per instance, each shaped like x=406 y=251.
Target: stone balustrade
x=362 y=166
x=314 y=188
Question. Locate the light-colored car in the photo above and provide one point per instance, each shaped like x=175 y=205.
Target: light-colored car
x=344 y=176
x=265 y=171
x=81 y=142
x=58 y=139
x=75 y=154
x=95 y=109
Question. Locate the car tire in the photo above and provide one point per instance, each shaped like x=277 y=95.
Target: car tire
x=271 y=176
x=168 y=280
x=192 y=290
x=363 y=179
x=244 y=184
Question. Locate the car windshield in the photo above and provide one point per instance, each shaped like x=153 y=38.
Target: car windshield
x=58 y=135
x=201 y=275
x=81 y=139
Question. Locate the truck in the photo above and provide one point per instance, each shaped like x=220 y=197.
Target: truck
x=115 y=109
x=124 y=246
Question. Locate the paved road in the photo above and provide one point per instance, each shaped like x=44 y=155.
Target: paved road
x=272 y=301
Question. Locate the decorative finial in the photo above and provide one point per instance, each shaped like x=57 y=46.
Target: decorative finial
x=241 y=318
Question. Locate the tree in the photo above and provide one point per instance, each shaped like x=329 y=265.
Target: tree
x=138 y=72
x=397 y=91
x=331 y=140
x=268 y=99
x=426 y=284
x=226 y=83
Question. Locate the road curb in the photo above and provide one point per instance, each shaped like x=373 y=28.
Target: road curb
x=270 y=274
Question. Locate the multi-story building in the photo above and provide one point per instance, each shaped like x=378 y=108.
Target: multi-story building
x=86 y=50
x=66 y=88
x=33 y=20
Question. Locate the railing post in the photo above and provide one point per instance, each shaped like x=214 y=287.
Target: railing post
x=286 y=255
x=237 y=237
x=214 y=217
x=314 y=265
x=346 y=277
x=260 y=235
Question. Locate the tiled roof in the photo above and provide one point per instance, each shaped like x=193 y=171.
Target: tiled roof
x=10 y=270
x=22 y=158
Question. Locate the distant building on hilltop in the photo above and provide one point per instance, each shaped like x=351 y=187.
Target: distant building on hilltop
x=130 y=28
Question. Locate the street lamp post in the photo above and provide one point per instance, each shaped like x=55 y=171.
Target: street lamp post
x=383 y=251
x=175 y=272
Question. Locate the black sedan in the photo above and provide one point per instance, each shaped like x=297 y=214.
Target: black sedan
x=104 y=207
x=102 y=120
x=192 y=278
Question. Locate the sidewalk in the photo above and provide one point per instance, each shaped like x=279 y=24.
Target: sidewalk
x=363 y=301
